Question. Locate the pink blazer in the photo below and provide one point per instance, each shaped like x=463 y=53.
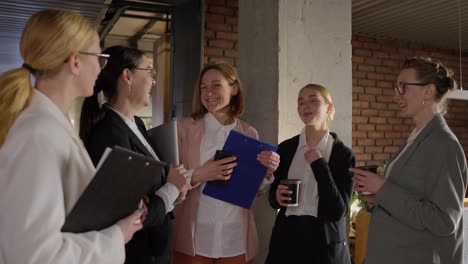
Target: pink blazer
x=190 y=135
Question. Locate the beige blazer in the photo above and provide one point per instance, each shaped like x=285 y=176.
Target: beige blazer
x=418 y=218
x=190 y=135
x=44 y=168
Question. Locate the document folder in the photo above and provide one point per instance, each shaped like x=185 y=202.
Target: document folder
x=115 y=191
x=247 y=176
x=164 y=138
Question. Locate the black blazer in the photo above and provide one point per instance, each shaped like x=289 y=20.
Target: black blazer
x=152 y=243
x=335 y=186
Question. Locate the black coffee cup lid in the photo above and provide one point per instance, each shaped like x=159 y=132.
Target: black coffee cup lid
x=372 y=168
x=290 y=181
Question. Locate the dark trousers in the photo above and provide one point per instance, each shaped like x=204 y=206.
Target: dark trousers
x=151 y=245
x=297 y=239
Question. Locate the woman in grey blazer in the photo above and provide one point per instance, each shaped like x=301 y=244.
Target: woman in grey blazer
x=418 y=203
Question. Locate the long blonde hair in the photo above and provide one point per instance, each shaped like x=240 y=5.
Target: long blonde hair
x=49 y=38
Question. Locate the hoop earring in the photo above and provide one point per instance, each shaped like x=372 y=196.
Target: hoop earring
x=129 y=89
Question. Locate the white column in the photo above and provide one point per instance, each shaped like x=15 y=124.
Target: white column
x=284 y=45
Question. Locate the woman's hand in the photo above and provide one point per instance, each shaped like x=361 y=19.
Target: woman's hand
x=369 y=198
x=261 y=191
x=282 y=195
x=312 y=155
x=177 y=176
x=366 y=181
x=269 y=159
x=214 y=170
x=143 y=206
x=183 y=192
x=131 y=224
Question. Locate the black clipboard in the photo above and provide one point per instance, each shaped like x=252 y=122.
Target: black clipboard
x=115 y=191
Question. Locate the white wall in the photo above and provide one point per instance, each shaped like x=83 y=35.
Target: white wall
x=315 y=47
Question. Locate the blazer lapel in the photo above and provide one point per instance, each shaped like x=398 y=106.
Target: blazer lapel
x=434 y=123
x=138 y=144
x=135 y=142
x=141 y=126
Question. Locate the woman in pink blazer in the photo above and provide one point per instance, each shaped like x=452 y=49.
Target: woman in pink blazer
x=207 y=230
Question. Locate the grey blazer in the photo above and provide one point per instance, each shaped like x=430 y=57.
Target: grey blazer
x=418 y=217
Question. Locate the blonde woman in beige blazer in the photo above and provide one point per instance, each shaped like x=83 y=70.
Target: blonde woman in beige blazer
x=218 y=103
x=418 y=204
x=44 y=167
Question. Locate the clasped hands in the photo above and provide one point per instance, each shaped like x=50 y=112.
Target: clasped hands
x=178 y=176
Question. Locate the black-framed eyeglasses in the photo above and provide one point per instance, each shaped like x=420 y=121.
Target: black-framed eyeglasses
x=152 y=71
x=401 y=86
x=101 y=57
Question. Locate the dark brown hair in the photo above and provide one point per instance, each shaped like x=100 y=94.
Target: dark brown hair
x=236 y=104
x=121 y=58
x=429 y=70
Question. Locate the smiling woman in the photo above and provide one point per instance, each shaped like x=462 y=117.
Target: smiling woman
x=126 y=82
x=206 y=228
x=418 y=203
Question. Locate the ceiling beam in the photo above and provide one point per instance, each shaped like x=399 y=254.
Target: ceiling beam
x=133 y=40
x=110 y=23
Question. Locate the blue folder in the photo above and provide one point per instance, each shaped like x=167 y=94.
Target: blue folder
x=247 y=176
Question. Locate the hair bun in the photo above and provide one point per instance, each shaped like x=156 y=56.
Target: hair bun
x=451 y=83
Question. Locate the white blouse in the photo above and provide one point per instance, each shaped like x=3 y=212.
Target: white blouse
x=219 y=230
x=168 y=192
x=44 y=168
x=219 y=227
x=300 y=169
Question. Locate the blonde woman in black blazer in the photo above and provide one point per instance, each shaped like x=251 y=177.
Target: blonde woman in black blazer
x=314 y=232
x=418 y=204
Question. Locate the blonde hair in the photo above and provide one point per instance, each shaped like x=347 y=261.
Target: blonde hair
x=236 y=104
x=49 y=38
x=325 y=94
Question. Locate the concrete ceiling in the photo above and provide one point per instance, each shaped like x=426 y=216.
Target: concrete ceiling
x=15 y=13
x=133 y=19
x=433 y=22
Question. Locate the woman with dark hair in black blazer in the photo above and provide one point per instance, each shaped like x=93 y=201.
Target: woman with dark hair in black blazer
x=315 y=230
x=126 y=82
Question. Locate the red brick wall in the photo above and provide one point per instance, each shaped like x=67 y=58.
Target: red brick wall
x=378 y=131
x=221 y=31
